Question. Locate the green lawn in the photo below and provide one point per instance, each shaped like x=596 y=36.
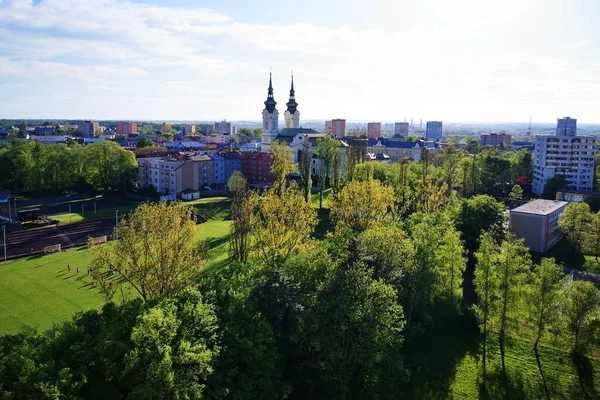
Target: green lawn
x=89 y=215
x=39 y=291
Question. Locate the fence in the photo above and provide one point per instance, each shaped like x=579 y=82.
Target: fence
x=55 y=248
x=51 y=200
x=100 y=239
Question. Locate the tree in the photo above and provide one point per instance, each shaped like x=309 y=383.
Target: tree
x=144 y=142
x=552 y=186
x=154 y=250
x=471 y=176
x=336 y=173
x=453 y=264
x=109 y=166
x=486 y=285
x=592 y=239
x=361 y=204
x=321 y=181
x=283 y=165
x=431 y=197
x=243 y=203
x=326 y=149
x=581 y=314
x=542 y=296
x=280 y=224
x=451 y=158
x=306 y=161
x=575 y=223
x=516 y=193
x=477 y=214
x=472 y=146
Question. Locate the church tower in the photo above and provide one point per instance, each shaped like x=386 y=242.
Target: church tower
x=270 y=119
x=292 y=115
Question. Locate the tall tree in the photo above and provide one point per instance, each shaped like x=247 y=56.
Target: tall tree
x=581 y=313
x=280 y=225
x=243 y=203
x=477 y=214
x=326 y=149
x=486 y=288
x=592 y=239
x=361 y=204
x=453 y=263
x=283 y=165
x=306 y=161
x=154 y=251
x=575 y=223
x=542 y=297
x=321 y=181
x=109 y=166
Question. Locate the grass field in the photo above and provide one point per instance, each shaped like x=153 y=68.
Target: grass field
x=39 y=291
x=90 y=215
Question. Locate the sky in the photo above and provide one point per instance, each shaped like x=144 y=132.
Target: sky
x=448 y=60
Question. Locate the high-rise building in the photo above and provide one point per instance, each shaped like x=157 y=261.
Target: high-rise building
x=374 y=130
x=566 y=126
x=188 y=129
x=494 y=139
x=328 y=126
x=223 y=128
x=338 y=128
x=87 y=128
x=127 y=128
x=401 y=128
x=433 y=130
x=564 y=154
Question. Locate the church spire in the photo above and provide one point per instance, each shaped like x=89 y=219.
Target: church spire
x=292 y=105
x=270 y=103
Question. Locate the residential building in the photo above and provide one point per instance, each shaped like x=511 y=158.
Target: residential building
x=204 y=168
x=566 y=126
x=401 y=128
x=167 y=176
x=329 y=126
x=397 y=150
x=188 y=129
x=127 y=128
x=256 y=167
x=537 y=223
x=219 y=167
x=384 y=158
x=49 y=139
x=518 y=145
x=223 y=128
x=374 y=130
x=338 y=128
x=578 y=196
x=216 y=139
x=45 y=130
x=494 y=139
x=564 y=154
x=232 y=163
x=433 y=130
x=88 y=128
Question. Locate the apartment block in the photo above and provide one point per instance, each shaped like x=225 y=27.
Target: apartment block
x=256 y=167
x=433 y=130
x=223 y=128
x=338 y=128
x=537 y=223
x=373 y=130
x=494 y=139
x=167 y=176
x=564 y=154
x=329 y=126
x=87 y=128
x=401 y=128
x=232 y=162
x=188 y=129
x=45 y=130
x=127 y=128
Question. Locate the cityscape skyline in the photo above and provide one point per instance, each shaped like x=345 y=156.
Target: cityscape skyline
x=466 y=61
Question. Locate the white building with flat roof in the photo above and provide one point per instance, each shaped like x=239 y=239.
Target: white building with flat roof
x=564 y=154
x=537 y=223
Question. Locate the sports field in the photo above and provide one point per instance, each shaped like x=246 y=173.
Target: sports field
x=39 y=291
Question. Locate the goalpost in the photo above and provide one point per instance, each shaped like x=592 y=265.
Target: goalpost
x=52 y=249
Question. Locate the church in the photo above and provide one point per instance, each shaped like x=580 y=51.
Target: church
x=292 y=133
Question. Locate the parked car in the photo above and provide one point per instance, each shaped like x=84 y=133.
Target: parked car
x=207 y=188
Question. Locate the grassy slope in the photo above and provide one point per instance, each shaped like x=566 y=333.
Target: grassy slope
x=38 y=291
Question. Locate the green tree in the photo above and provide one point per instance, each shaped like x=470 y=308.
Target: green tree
x=109 y=166
x=552 y=186
x=144 y=142
x=306 y=161
x=516 y=193
x=283 y=165
x=592 y=238
x=477 y=214
x=542 y=297
x=321 y=181
x=243 y=203
x=575 y=223
x=154 y=251
x=281 y=224
x=472 y=146
x=486 y=288
x=361 y=204
x=453 y=263
x=326 y=149
x=581 y=313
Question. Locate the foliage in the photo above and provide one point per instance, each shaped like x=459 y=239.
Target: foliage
x=552 y=186
x=305 y=167
x=243 y=202
x=283 y=165
x=574 y=222
x=154 y=251
x=361 y=204
x=144 y=142
x=516 y=193
x=581 y=313
x=476 y=215
x=280 y=224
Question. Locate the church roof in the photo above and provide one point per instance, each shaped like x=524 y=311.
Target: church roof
x=291 y=132
x=291 y=104
x=270 y=103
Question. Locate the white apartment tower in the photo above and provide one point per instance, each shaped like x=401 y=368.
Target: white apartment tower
x=270 y=119
x=564 y=154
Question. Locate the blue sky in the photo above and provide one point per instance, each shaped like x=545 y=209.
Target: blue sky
x=459 y=60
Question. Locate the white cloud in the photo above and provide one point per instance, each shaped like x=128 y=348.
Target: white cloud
x=583 y=43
